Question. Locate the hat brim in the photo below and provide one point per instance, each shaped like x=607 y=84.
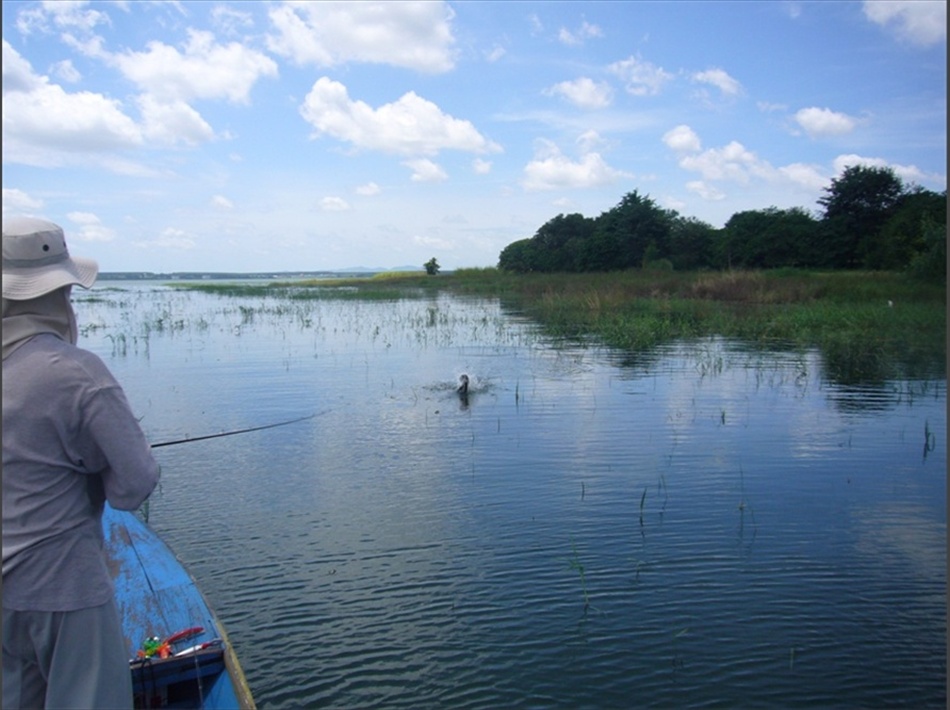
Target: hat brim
x=20 y=284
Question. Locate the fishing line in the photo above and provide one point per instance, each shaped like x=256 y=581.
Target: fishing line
x=237 y=431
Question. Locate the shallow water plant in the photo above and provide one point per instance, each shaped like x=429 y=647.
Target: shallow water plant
x=575 y=564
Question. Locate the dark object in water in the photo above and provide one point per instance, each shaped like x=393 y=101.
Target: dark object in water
x=463 y=385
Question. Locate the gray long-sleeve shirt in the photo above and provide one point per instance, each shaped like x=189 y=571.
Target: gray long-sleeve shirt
x=70 y=442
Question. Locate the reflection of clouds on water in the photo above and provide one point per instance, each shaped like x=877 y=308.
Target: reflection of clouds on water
x=402 y=519
x=904 y=539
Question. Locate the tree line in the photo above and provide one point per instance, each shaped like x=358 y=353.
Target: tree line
x=870 y=219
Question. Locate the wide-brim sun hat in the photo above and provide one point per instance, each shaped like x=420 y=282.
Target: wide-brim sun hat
x=36 y=260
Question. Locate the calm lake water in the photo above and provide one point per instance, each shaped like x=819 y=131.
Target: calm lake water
x=702 y=525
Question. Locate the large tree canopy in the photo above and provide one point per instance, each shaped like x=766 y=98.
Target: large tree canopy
x=857 y=207
x=871 y=220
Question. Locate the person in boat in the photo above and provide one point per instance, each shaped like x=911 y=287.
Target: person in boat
x=70 y=443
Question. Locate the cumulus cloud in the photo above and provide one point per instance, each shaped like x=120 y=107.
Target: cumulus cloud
x=810 y=177
x=551 y=169
x=922 y=23
x=90 y=228
x=733 y=162
x=172 y=122
x=221 y=202
x=18 y=202
x=409 y=126
x=682 y=139
x=821 y=122
x=583 y=92
x=204 y=69
x=45 y=125
x=640 y=78
x=719 y=79
x=907 y=173
x=414 y=35
x=576 y=38
x=424 y=170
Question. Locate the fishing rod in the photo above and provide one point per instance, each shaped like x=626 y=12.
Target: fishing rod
x=237 y=431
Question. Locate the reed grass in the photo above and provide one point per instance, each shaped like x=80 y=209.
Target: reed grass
x=575 y=564
x=868 y=325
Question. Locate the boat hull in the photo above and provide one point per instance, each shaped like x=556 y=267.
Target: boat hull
x=159 y=600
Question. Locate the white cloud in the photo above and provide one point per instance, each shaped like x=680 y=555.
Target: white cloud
x=770 y=107
x=409 y=126
x=808 y=176
x=18 y=202
x=334 y=204
x=59 y=16
x=424 y=170
x=583 y=92
x=91 y=228
x=231 y=21
x=584 y=32
x=820 y=122
x=172 y=122
x=589 y=141
x=368 y=190
x=495 y=53
x=535 y=25
x=66 y=71
x=204 y=70
x=18 y=75
x=481 y=167
x=705 y=190
x=641 y=78
x=907 y=173
x=550 y=169
x=682 y=139
x=720 y=79
x=46 y=126
x=732 y=162
x=923 y=22
x=221 y=202
x=415 y=35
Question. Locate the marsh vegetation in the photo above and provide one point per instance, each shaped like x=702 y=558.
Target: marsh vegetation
x=870 y=325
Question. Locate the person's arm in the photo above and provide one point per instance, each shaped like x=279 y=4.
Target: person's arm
x=129 y=472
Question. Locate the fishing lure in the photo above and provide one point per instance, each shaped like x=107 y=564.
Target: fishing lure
x=154 y=646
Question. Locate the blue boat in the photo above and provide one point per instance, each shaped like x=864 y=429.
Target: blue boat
x=179 y=653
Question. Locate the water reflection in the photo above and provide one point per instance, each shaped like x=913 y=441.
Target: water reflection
x=750 y=531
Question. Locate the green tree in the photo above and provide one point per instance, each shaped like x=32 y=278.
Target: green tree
x=770 y=238
x=560 y=241
x=432 y=266
x=518 y=256
x=691 y=243
x=906 y=235
x=622 y=234
x=858 y=204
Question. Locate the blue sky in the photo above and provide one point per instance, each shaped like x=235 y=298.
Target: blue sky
x=282 y=136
